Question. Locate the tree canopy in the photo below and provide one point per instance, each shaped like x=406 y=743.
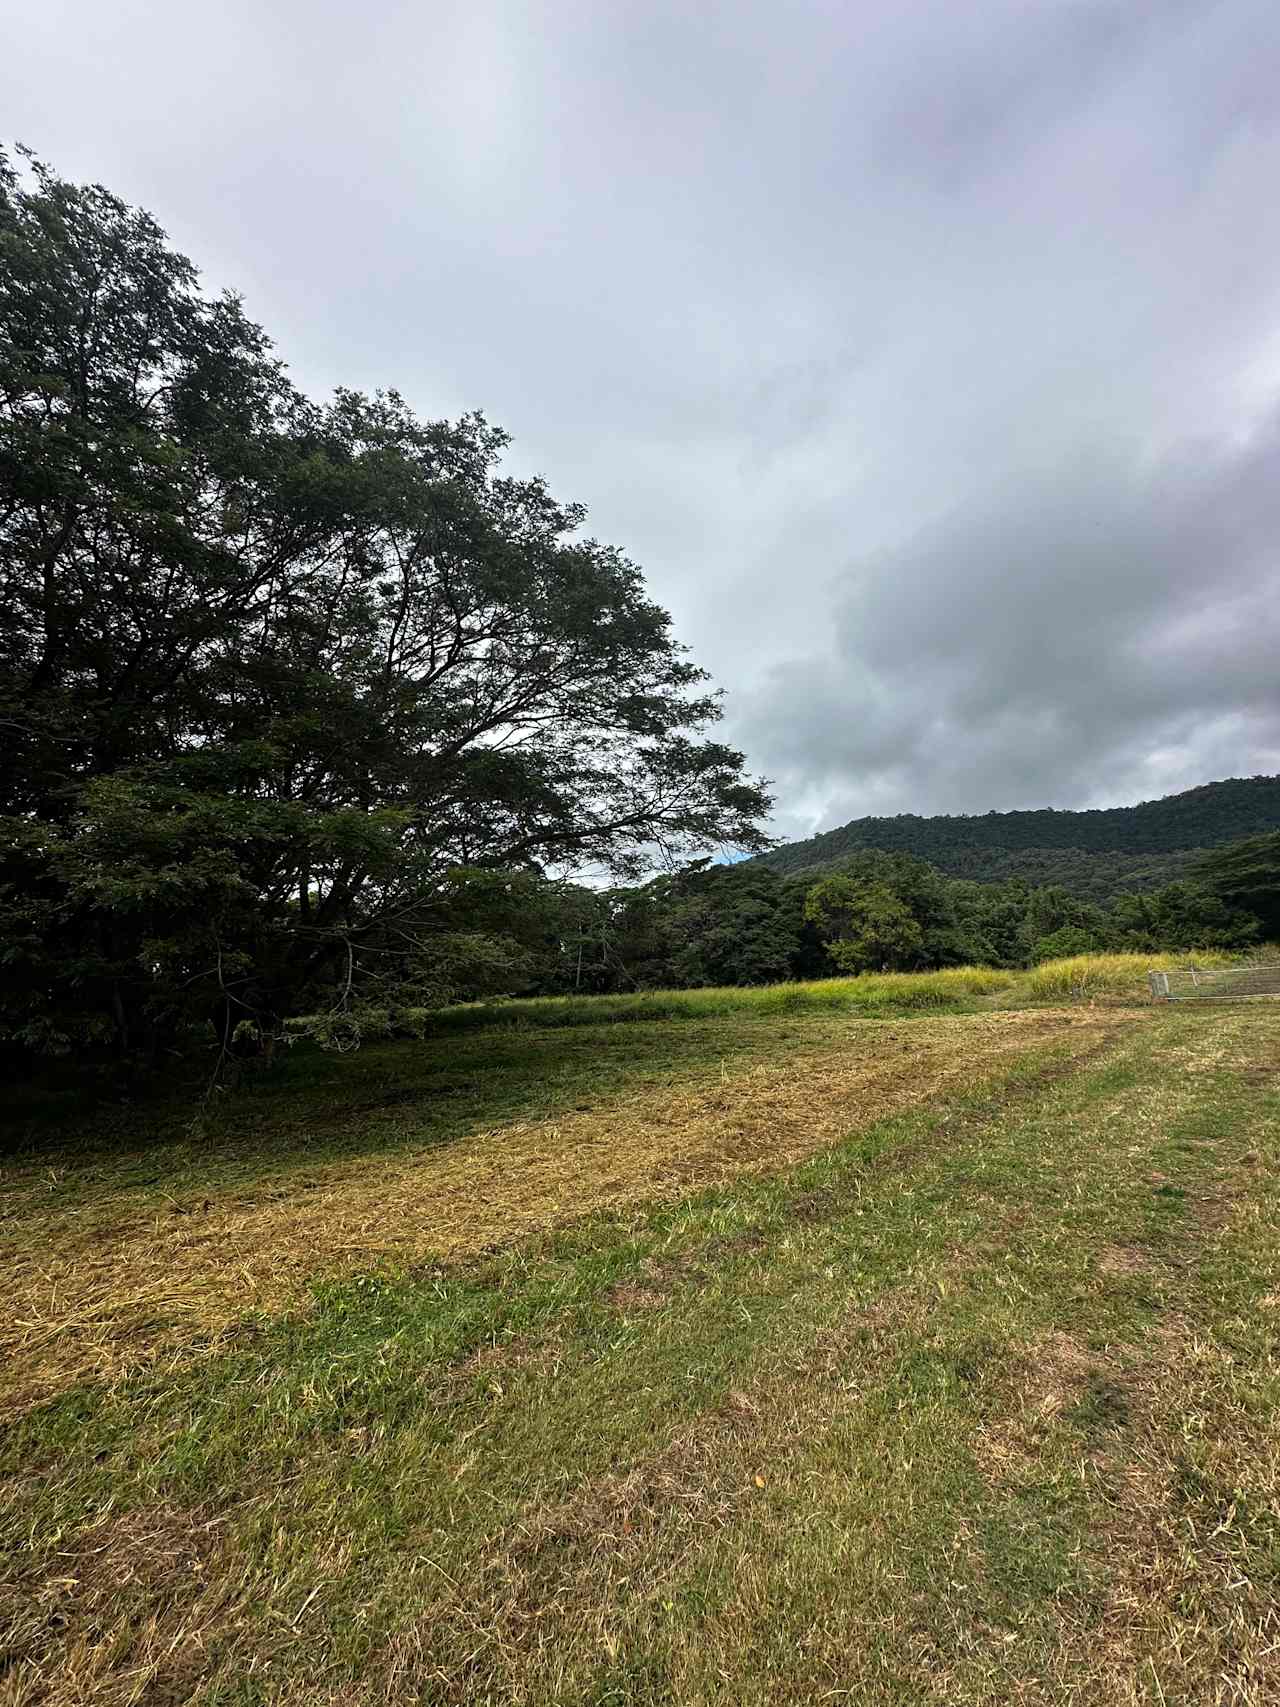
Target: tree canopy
x=745 y=924
x=1247 y=875
x=273 y=671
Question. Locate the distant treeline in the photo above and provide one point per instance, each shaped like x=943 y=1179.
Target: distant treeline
x=1092 y=876
x=747 y=924
x=1094 y=854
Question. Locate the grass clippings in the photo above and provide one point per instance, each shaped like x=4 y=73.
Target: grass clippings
x=96 y=1296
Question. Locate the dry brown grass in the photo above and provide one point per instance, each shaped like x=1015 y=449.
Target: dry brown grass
x=1181 y=1584
x=95 y=1302
x=135 y=1609
x=1122 y=1262
x=1049 y=1377
x=1183 y=1617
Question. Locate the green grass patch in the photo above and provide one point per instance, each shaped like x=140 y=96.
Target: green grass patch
x=958 y=989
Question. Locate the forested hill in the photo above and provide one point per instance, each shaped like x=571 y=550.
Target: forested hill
x=1095 y=853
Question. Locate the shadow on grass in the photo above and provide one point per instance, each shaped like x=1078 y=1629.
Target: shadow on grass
x=311 y=1107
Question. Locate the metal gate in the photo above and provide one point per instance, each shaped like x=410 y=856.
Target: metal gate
x=1216 y=983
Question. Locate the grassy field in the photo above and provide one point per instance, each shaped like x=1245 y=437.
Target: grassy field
x=959 y=989
x=775 y=1355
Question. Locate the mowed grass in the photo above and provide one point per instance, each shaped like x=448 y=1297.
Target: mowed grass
x=410 y=1152
x=945 y=1372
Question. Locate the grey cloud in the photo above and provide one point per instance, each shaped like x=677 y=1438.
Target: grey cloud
x=925 y=356
x=980 y=94
x=1106 y=630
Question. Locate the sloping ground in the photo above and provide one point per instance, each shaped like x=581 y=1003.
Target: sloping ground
x=976 y=1406
x=119 y=1276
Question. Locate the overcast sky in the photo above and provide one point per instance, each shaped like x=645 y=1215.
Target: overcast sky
x=925 y=353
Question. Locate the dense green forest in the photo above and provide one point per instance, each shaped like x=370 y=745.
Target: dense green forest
x=1092 y=876
x=1095 y=854
x=748 y=924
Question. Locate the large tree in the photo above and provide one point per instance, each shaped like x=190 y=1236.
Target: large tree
x=865 y=925
x=270 y=671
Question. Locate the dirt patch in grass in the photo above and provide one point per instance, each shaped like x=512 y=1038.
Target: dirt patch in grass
x=507 y=1357
x=627 y=1297
x=659 y=1278
x=726 y=1247
x=815 y=1206
x=1052 y=1376
x=1218 y=1200
x=1056 y=1371
x=95 y=1308
x=1124 y=1262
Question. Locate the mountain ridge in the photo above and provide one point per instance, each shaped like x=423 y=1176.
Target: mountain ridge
x=1096 y=852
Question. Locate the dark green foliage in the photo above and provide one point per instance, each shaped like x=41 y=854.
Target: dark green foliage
x=1094 y=876
x=894 y=913
x=744 y=924
x=1066 y=940
x=732 y=925
x=271 y=671
x=864 y=924
x=1247 y=876
x=1182 y=915
x=1095 y=854
x=1052 y=912
x=706 y=925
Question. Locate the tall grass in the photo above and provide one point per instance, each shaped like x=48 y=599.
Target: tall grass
x=1115 y=975
x=887 y=992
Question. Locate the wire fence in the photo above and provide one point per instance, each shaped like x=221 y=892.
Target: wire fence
x=1217 y=983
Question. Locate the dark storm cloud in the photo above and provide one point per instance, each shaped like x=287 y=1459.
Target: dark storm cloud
x=926 y=356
